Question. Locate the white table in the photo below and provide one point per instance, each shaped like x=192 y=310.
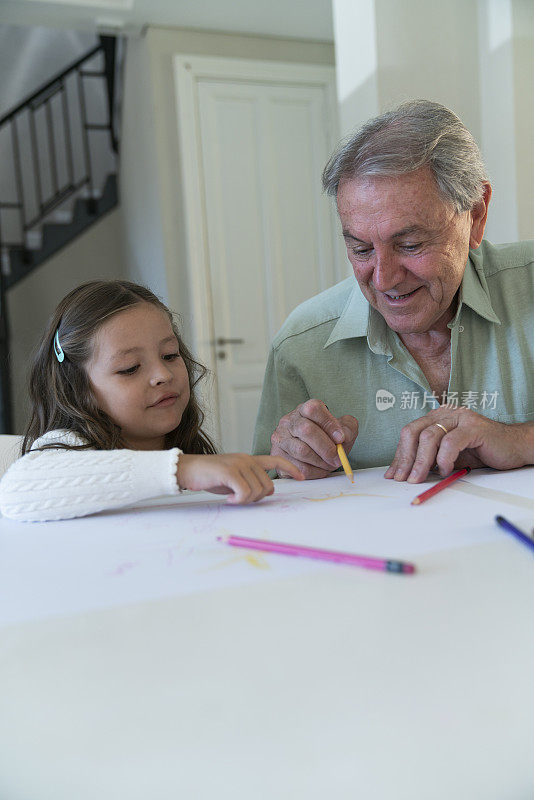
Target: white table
x=325 y=685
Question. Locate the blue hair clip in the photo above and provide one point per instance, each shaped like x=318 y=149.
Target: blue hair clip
x=58 y=350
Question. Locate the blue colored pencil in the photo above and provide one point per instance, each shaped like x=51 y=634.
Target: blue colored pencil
x=507 y=526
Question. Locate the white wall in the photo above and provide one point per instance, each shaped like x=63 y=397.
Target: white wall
x=30 y=57
x=356 y=61
x=150 y=168
x=301 y=19
x=97 y=253
x=523 y=39
x=38 y=54
x=142 y=239
x=428 y=49
x=475 y=56
x=497 y=114
x=139 y=179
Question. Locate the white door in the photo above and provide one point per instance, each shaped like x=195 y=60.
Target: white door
x=268 y=230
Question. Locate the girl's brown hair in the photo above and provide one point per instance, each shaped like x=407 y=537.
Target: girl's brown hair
x=61 y=393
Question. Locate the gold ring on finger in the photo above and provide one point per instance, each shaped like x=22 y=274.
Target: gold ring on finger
x=443 y=428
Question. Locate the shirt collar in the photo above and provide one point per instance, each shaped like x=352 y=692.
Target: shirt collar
x=474 y=293
x=352 y=322
x=359 y=319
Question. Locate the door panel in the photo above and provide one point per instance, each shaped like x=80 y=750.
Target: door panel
x=267 y=229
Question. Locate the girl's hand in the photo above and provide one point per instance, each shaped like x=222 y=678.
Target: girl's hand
x=241 y=476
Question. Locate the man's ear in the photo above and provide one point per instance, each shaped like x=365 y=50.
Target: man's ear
x=479 y=216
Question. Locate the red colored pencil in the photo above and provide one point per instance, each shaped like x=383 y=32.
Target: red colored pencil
x=421 y=498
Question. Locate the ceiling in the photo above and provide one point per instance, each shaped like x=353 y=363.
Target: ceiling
x=302 y=19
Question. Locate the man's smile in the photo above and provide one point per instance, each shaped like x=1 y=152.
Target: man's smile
x=398 y=299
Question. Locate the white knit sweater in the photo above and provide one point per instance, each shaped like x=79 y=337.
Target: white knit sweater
x=61 y=484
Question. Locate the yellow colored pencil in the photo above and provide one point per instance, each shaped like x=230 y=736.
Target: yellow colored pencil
x=345 y=463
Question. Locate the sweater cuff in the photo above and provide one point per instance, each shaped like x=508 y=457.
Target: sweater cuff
x=155 y=471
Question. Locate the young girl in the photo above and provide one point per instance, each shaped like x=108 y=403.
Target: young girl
x=115 y=418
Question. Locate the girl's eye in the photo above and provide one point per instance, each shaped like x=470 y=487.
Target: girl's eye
x=129 y=371
x=171 y=356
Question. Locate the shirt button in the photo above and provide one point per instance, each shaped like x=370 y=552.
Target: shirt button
x=461 y=329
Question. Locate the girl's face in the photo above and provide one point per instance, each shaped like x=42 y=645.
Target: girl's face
x=138 y=376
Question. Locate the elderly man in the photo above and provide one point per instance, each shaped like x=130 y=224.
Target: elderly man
x=435 y=363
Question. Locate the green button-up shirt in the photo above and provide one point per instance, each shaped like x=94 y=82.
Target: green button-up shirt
x=338 y=349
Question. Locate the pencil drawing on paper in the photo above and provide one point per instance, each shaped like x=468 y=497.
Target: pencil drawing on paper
x=159 y=552
x=256 y=560
x=344 y=494
x=282 y=514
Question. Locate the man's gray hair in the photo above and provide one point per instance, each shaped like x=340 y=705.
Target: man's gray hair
x=416 y=133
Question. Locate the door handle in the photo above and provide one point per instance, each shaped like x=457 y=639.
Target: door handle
x=221 y=341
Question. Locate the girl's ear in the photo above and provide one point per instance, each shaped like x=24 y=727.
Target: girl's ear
x=89 y=398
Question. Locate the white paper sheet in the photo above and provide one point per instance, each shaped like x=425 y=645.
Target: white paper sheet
x=171 y=547
x=515 y=481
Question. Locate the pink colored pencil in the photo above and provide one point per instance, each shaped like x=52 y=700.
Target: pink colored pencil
x=368 y=562
x=421 y=498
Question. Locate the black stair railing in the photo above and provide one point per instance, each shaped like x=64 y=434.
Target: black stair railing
x=57 y=138
x=50 y=163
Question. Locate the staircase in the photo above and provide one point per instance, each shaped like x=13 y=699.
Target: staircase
x=55 y=235
x=54 y=169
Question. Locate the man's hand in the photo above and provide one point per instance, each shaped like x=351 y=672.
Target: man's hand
x=308 y=437
x=469 y=440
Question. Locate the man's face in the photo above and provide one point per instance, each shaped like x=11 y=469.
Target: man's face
x=407 y=247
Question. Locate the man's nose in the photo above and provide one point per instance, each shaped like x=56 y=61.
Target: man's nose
x=388 y=271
